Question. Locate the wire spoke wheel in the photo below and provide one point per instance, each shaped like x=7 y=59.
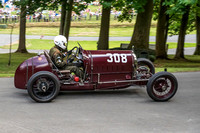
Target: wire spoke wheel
x=162 y=86
x=43 y=86
x=43 y=89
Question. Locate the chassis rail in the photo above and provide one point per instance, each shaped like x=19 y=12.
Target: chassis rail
x=122 y=81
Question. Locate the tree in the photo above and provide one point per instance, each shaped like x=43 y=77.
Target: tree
x=121 y=5
x=63 y=14
x=140 y=37
x=162 y=31
x=28 y=7
x=197 y=49
x=181 y=21
x=68 y=20
x=103 y=42
x=67 y=8
x=22 y=30
x=182 y=32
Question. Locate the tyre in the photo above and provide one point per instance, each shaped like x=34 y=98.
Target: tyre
x=162 y=86
x=143 y=62
x=43 y=86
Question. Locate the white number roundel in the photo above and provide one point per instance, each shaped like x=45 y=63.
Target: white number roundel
x=117 y=58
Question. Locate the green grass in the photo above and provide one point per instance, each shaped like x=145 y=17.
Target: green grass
x=192 y=63
x=89 y=45
x=173 y=45
x=89 y=32
x=16 y=59
x=36 y=44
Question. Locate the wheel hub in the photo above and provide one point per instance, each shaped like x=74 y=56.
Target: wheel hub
x=160 y=85
x=43 y=85
x=164 y=87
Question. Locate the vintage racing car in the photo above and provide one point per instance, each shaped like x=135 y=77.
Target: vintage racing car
x=103 y=69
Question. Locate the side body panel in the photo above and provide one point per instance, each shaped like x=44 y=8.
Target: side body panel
x=109 y=65
x=28 y=68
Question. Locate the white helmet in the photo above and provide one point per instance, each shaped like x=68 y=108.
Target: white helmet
x=60 y=41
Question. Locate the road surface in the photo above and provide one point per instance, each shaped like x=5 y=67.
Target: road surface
x=125 y=111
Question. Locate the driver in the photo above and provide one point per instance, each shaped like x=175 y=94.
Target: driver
x=59 y=52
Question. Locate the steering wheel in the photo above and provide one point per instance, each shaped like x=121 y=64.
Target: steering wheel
x=79 y=45
x=73 y=54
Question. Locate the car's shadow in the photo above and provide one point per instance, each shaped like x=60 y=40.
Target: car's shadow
x=122 y=93
x=136 y=93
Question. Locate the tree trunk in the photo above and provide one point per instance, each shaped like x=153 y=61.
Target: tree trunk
x=68 y=20
x=167 y=27
x=63 y=14
x=103 y=42
x=140 y=37
x=22 y=31
x=161 y=32
x=197 y=50
x=182 y=32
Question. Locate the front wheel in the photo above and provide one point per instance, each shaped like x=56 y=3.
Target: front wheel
x=162 y=86
x=43 y=86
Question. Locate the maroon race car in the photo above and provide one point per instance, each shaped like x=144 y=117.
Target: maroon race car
x=103 y=69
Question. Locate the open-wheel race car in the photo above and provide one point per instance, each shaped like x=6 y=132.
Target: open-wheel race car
x=102 y=69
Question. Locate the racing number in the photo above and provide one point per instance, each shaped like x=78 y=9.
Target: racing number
x=117 y=58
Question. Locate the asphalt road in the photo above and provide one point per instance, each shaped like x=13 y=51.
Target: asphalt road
x=125 y=111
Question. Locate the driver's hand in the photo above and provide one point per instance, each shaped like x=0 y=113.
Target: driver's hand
x=64 y=54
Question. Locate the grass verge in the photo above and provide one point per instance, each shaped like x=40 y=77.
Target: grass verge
x=16 y=60
x=84 y=31
x=36 y=44
x=191 y=63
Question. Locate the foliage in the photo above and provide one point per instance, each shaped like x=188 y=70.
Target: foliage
x=156 y=9
x=128 y=7
x=1 y=6
x=77 y=6
x=33 y=5
x=106 y=3
x=38 y=5
x=176 y=10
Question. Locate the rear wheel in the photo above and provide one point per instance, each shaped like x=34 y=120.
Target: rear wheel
x=162 y=86
x=144 y=63
x=43 y=86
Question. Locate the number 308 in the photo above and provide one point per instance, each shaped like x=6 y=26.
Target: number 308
x=117 y=58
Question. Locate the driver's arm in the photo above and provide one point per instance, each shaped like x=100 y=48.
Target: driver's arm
x=59 y=62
